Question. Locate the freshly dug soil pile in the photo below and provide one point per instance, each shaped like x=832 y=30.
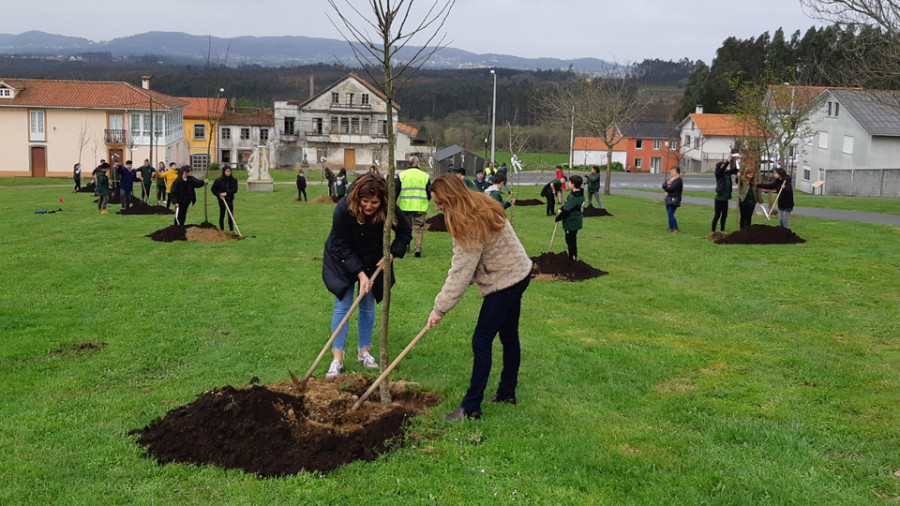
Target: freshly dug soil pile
x=176 y=232
x=88 y=188
x=595 y=211
x=199 y=234
x=436 y=223
x=143 y=208
x=530 y=202
x=324 y=199
x=559 y=267
x=274 y=430
x=761 y=234
x=116 y=198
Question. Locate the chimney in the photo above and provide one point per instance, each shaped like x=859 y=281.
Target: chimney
x=312 y=85
x=145 y=82
x=699 y=109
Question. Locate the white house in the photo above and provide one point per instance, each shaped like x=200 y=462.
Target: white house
x=707 y=139
x=240 y=134
x=856 y=150
x=345 y=125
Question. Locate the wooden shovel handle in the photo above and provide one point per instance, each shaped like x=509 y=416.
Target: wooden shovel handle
x=390 y=368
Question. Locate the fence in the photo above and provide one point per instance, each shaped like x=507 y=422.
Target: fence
x=863 y=182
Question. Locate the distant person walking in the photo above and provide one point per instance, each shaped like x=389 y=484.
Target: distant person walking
x=76 y=175
x=412 y=199
x=673 y=188
x=301 y=187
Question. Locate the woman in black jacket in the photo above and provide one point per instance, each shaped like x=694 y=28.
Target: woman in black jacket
x=224 y=188
x=785 y=199
x=183 y=194
x=673 y=187
x=353 y=251
x=723 y=190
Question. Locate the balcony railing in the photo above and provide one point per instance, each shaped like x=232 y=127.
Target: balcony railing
x=290 y=136
x=364 y=107
x=113 y=136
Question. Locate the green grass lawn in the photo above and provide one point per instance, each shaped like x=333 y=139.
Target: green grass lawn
x=692 y=373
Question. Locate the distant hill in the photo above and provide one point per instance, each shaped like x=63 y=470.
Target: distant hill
x=266 y=51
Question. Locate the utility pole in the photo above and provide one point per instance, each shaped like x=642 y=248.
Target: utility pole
x=494 y=116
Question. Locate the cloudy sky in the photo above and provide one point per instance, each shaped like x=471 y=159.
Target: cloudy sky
x=622 y=31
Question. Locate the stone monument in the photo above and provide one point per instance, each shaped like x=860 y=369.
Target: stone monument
x=258 y=178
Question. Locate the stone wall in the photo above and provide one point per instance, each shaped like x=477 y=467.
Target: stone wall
x=863 y=182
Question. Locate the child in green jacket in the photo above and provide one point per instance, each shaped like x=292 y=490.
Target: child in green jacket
x=495 y=191
x=570 y=215
x=593 y=188
x=101 y=183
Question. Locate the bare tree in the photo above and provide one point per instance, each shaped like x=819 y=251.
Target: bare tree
x=884 y=14
x=597 y=107
x=83 y=136
x=518 y=142
x=375 y=37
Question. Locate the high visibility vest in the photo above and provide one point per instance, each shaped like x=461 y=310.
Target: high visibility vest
x=413 y=196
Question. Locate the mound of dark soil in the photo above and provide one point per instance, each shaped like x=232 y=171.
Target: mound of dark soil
x=436 y=223
x=116 y=198
x=761 y=234
x=274 y=430
x=325 y=199
x=88 y=188
x=145 y=209
x=559 y=267
x=530 y=202
x=176 y=232
x=595 y=211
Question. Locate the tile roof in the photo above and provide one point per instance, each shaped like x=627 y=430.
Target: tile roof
x=351 y=75
x=203 y=107
x=878 y=112
x=725 y=125
x=260 y=118
x=650 y=130
x=84 y=95
x=403 y=127
x=785 y=94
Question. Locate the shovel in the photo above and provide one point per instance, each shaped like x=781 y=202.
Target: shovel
x=301 y=384
x=769 y=214
x=553 y=236
x=390 y=368
x=232 y=219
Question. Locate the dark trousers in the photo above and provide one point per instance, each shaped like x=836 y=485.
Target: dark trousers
x=77 y=184
x=145 y=194
x=572 y=243
x=125 y=198
x=551 y=205
x=746 y=214
x=160 y=193
x=181 y=211
x=499 y=315
x=223 y=212
x=721 y=207
x=301 y=193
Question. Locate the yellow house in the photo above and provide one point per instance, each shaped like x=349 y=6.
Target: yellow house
x=49 y=125
x=201 y=120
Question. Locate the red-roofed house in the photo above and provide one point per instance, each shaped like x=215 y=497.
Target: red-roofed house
x=201 y=118
x=344 y=125
x=707 y=139
x=49 y=125
x=645 y=147
x=588 y=151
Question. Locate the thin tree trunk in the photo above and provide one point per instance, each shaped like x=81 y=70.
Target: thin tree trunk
x=385 y=357
x=608 y=171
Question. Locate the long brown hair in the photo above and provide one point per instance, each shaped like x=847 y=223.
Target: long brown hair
x=753 y=174
x=366 y=187
x=471 y=217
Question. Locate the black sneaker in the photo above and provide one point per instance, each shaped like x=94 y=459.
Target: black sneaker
x=418 y=254
x=494 y=398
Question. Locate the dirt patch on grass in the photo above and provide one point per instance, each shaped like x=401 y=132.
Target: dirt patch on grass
x=530 y=202
x=206 y=232
x=142 y=208
x=594 y=211
x=324 y=199
x=276 y=430
x=436 y=223
x=80 y=348
x=761 y=234
x=559 y=267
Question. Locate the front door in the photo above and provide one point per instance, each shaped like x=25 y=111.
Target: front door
x=38 y=161
x=115 y=156
x=349 y=159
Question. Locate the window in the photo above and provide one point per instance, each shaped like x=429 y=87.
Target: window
x=639 y=144
x=806 y=173
x=673 y=144
x=335 y=98
x=833 y=109
x=37 y=129
x=383 y=127
x=638 y=163
x=245 y=133
x=821 y=174
x=657 y=145
x=349 y=98
x=199 y=134
x=364 y=126
x=199 y=161
x=288 y=125
x=823 y=140
x=7 y=93
x=225 y=156
x=321 y=155
x=687 y=140
x=848 y=145
x=317 y=125
x=263 y=134
x=335 y=126
x=655 y=164
x=226 y=133
x=354 y=125
x=364 y=98
x=697 y=142
x=345 y=125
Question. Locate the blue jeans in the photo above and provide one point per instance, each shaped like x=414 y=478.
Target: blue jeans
x=594 y=195
x=673 y=223
x=365 y=319
x=125 y=198
x=499 y=315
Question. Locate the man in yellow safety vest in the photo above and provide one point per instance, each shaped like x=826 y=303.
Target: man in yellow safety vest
x=413 y=199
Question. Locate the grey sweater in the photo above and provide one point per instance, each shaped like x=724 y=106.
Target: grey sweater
x=495 y=265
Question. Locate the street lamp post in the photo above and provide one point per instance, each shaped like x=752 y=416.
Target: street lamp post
x=494 y=116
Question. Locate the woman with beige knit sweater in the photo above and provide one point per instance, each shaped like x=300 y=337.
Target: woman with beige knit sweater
x=487 y=252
